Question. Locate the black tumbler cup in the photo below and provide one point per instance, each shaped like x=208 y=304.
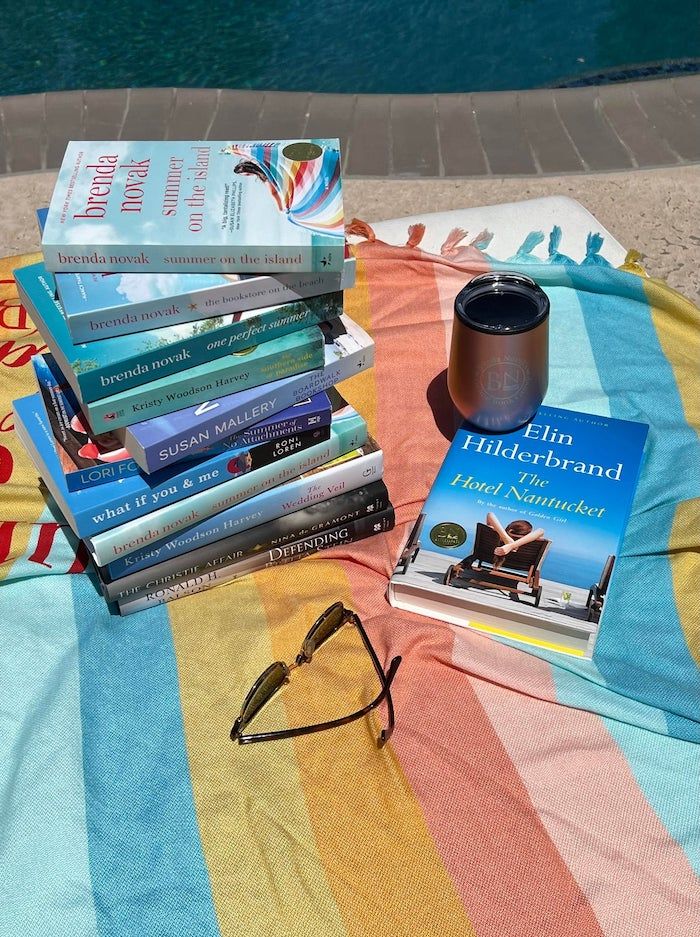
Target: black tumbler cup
x=499 y=356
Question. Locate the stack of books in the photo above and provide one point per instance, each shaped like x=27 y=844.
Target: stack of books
x=187 y=422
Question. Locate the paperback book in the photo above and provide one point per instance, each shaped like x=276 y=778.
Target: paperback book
x=115 y=365
x=154 y=443
x=89 y=459
x=520 y=534
x=197 y=486
x=342 y=509
x=196 y=206
x=342 y=535
x=354 y=469
x=104 y=305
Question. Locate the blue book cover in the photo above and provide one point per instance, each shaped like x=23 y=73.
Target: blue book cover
x=103 y=368
x=152 y=443
x=520 y=533
x=197 y=206
x=97 y=509
x=89 y=459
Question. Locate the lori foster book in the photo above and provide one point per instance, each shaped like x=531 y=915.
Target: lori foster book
x=521 y=532
x=194 y=206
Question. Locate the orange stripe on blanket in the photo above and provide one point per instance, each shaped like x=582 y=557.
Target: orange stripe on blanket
x=637 y=878
x=266 y=874
x=361 y=391
x=381 y=863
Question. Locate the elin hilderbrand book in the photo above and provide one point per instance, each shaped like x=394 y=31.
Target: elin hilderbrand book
x=89 y=459
x=104 y=305
x=195 y=206
x=520 y=534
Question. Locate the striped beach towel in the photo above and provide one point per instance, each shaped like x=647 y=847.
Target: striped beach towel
x=523 y=794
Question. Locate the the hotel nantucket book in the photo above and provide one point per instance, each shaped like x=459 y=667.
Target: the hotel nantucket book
x=520 y=533
x=195 y=206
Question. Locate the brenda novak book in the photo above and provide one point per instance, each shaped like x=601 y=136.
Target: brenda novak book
x=193 y=206
x=520 y=532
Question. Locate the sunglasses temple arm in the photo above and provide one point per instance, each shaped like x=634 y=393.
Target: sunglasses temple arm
x=386 y=733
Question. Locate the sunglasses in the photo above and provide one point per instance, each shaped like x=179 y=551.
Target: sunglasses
x=277 y=675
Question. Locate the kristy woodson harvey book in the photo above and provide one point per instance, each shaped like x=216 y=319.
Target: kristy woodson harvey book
x=194 y=206
x=88 y=459
x=157 y=442
x=561 y=487
x=93 y=510
x=115 y=365
x=104 y=305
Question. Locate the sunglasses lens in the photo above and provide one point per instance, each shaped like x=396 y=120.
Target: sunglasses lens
x=267 y=684
x=323 y=629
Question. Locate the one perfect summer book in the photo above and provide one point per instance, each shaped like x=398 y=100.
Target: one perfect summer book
x=195 y=206
x=521 y=532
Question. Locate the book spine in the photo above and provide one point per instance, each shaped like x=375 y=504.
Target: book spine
x=331 y=513
x=228 y=299
x=167 y=521
x=196 y=385
x=278 y=502
x=327 y=254
x=255 y=436
x=207 y=345
x=277 y=556
x=265 y=400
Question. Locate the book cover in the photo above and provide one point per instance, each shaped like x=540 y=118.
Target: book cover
x=165 y=521
x=342 y=535
x=196 y=206
x=98 y=509
x=520 y=532
x=341 y=509
x=114 y=365
x=361 y=465
x=156 y=442
x=89 y=459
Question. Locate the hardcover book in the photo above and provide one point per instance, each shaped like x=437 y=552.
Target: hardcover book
x=201 y=483
x=346 y=533
x=157 y=442
x=89 y=459
x=111 y=365
x=104 y=305
x=341 y=509
x=354 y=469
x=520 y=534
x=196 y=206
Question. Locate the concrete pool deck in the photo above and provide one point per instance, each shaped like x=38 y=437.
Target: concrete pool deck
x=629 y=152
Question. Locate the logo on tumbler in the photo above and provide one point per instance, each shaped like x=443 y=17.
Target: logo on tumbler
x=504 y=379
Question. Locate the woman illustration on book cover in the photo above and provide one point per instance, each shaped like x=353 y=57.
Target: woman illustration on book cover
x=515 y=535
x=308 y=191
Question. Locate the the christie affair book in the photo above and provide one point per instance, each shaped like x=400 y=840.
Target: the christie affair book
x=520 y=535
x=195 y=206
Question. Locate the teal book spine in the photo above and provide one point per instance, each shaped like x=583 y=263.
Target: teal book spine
x=194 y=206
x=167 y=521
x=102 y=368
x=251 y=367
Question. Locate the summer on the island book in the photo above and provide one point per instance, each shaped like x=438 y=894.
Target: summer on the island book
x=195 y=206
x=521 y=531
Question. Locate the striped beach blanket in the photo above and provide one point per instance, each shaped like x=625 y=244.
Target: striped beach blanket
x=523 y=794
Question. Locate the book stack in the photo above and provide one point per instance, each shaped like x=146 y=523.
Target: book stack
x=187 y=422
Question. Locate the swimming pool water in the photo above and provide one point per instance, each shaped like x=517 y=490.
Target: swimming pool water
x=335 y=45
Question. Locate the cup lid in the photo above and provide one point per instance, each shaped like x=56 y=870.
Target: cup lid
x=502 y=303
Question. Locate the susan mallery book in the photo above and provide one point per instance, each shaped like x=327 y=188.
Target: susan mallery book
x=196 y=206
x=520 y=534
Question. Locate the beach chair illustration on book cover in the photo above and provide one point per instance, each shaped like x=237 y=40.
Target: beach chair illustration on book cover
x=412 y=546
x=597 y=592
x=485 y=569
